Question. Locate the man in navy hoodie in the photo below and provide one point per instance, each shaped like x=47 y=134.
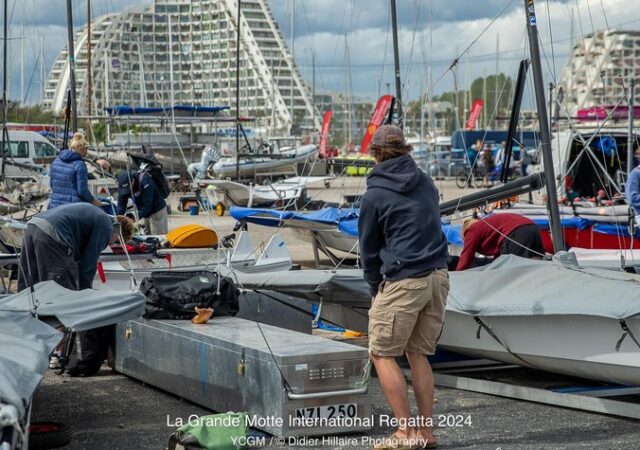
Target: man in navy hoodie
x=151 y=205
x=63 y=245
x=404 y=257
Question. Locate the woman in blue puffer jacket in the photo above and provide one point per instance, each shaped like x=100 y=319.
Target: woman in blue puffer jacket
x=68 y=175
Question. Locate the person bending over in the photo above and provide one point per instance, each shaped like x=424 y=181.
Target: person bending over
x=499 y=234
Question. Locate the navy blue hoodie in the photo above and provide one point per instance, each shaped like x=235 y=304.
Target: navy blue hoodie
x=146 y=194
x=399 y=225
x=85 y=229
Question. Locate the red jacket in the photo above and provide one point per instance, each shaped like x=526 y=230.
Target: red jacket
x=486 y=235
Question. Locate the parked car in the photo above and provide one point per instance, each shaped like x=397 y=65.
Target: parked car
x=443 y=163
x=27 y=148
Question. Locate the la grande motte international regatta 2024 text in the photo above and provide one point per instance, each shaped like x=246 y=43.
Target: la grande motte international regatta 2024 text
x=383 y=420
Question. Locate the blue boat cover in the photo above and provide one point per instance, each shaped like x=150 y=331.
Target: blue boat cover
x=613 y=229
x=345 y=219
x=126 y=110
x=276 y=218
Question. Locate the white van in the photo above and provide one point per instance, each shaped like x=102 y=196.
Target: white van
x=28 y=148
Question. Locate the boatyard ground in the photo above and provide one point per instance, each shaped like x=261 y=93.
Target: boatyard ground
x=112 y=411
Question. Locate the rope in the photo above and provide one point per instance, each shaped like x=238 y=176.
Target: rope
x=626 y=331
x=482 y=325
x=510 y=239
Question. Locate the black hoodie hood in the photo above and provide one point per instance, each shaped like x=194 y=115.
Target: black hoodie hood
x=400 y=174
x=399 y=226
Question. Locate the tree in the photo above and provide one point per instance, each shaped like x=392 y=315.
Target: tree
x=497 y=86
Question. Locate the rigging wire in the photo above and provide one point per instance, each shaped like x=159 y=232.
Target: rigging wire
x=406 y=80
x=553 y=56
x=604 y=14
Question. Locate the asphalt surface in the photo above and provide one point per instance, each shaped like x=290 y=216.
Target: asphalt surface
x=112 y=411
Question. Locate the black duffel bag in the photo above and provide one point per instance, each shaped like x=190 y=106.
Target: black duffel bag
x=174 y=295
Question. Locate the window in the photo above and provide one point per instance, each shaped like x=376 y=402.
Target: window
x=19 y=149
x=44 y=149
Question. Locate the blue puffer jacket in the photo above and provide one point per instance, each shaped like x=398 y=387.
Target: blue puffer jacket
x=69 y=176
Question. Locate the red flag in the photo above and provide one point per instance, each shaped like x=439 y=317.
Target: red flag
x=324 y=133
x=382 y=107
x=475 y=113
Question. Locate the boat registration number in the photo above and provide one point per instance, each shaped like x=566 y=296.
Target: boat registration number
x=349 y=410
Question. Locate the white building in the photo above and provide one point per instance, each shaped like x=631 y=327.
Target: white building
x=184 y=52
x=599 y=68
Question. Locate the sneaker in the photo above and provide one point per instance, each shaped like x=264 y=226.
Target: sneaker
x=54 y=362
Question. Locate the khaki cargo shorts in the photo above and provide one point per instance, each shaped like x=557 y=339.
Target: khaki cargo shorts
x=408 y=315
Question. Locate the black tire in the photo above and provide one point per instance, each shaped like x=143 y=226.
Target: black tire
x=461 y=179
x=478 y=181
x=44 y=435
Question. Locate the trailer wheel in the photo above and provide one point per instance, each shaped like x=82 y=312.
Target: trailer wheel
x=220 y=209
x=44 y=435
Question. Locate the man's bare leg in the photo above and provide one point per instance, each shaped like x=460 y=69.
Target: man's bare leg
x=394 y=387
x=423 y=387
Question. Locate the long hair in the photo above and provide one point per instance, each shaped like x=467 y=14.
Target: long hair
x=394 y=147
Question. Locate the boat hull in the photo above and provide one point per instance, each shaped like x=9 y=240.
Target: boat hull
x=227 y=167
x=580 y=346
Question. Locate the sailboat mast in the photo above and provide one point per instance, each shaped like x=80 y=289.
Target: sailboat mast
x=313 y=90
x=105 y=92
x=543 y=121
x=422 y=112
x=72 y=67
x=22 y=65
x=496 y=96
x=89 y=79
x=631 y=116
x=5 y=109
x=43 y=81
x=238 y=93
x=293 y=43
x=396 y=62
x=171 y=85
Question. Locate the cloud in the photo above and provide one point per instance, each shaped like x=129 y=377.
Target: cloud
x=431 y=34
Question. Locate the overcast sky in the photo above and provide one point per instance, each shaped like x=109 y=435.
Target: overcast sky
x=432 y=34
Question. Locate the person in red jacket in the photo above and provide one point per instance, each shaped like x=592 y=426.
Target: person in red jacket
x=499 y=234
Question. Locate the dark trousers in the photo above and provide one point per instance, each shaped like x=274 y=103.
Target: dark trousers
x=524 y=241
x=42 y=259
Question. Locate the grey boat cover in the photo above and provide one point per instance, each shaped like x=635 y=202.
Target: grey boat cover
x=78 y=310
x=346 y=286
x=26 y=342
x=510 y=286
x=514 y=286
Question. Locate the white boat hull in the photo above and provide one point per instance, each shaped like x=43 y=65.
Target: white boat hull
x=227 y=167
x=580 y=346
